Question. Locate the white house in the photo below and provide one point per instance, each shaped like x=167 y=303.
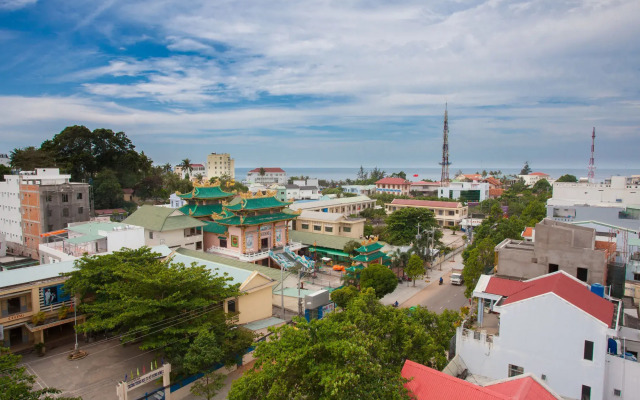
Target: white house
x=555 y=327
x=465 y=191
x=533 y=177
x=267 y=176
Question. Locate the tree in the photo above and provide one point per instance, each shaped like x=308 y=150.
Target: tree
x=107 y=192
x=350 y=247
x=137 y=295
x=186 y=166
x=542 y=186
x=484 y=173
x=526 y=169
x=344 y=295
x=480 y=259
x=4 y=170
x=30 y=158
x=567 y=178
x=262 y=171
x=376 y=174
x=208 y=386
x=362 y=174
x=354 y=354
x=17 y=384
x=400 y=259
x=203 y=354
x=400 y=174
x=379 y=278
x=533 y=213
x=415 y=268
x=402 y=225
x=454 y=228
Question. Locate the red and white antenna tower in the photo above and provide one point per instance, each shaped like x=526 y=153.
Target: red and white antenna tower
x=592 y=164
x=444 y=176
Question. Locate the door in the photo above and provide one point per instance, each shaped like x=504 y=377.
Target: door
x=264 y=243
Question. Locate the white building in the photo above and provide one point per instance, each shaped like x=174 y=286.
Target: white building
x=554 y=327
x=167 y=226
x=344 y=205
x=5 y=160
x=533 y=177
x=175 y=201
x=267 y=176
x=91 y=238
x=10 y=216
x=3 y=245
x=614 y=202
x=362 y=190
x=465 y=191
x=219 y=165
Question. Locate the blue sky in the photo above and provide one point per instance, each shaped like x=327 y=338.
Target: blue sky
x=329 y=83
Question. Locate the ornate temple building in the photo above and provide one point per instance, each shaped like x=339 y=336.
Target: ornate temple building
x=203 y=201
x=249 y=227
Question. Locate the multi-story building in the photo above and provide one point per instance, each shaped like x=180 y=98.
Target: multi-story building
x=465 y=191
x=422 y=188
x=196 y=170
x=90 y=238
x=555 y=327
x=344 y=205
x=46 y=201
x=558 y=246
x=362 y=190
x=168 y=226
x=5 y=160
x=615 y=202
x=330 y=224
x=249 y=227
x=533 y=177
x=447 y=213
x=220 y=164
x=395 y=186
x=267 y=176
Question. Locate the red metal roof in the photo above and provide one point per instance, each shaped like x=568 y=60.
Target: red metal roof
x=268 y=170
x=539 y=174
x=528 y=232
x=430 y=384
x=560 y=284
x=197 y=165
x=525 y=388
x=426 y=203
x=393 y=181
x=423 y=183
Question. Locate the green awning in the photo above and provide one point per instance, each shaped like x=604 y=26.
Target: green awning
x=328 y=251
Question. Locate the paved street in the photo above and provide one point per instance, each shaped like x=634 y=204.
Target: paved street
x=438 y=298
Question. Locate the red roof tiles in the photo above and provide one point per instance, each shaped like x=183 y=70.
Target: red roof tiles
x=559 y=283
x=423 y=183
x=393 y=181
x=426 y=203
x=268 y=170
x=496 y=192
x=528 y=232
x=539 y=174
x=429 y=384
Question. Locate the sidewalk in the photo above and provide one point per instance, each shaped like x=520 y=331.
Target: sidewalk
x=406 y=290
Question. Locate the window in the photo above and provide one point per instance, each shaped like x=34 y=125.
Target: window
x=65 y=197
x=586 y=393
x=80 y=210
x=48 y=198
x=317 y=228
x=304 y=226
x=65 y=212
x=49 y=229
x=49 y=212
x=150 y=235
x=582 y=274
x=347 y=229
x=328 y=229
x=617 y=392
x=514 y=370
x=231 y=306
x=588 y=350
x=79 y=196
x=636 y=277
x=198 y=245
x=553 y=268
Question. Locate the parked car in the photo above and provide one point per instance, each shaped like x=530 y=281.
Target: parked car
x=456 y=277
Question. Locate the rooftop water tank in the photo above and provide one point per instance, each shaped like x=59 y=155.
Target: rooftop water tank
x=597 y=289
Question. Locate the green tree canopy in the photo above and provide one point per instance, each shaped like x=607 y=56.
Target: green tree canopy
x=344 y=295
x=30 y=158
x=17 y=384
x=354 y=354
x=567 y=178
x=400 y=174
x=542 y=186
x=351 y=246
x=402 y=225
x=479 y=260
x=526 y=169
x=107 y=192
x=379 y=278
x=163 y=304
x=415 y=268
x=4 y=170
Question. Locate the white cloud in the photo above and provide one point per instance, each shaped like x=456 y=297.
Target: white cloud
x=15 y=4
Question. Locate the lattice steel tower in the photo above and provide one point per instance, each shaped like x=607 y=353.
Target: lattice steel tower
x=444 y=177
x=592 y=164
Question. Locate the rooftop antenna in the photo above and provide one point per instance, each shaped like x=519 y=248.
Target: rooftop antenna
x=592 y=165
x=444 y=177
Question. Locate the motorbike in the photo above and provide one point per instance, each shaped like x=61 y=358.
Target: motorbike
x=441 y=281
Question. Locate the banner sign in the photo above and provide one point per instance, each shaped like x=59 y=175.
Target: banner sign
x=141 y=380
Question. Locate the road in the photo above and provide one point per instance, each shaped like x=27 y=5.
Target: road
x=438 y=298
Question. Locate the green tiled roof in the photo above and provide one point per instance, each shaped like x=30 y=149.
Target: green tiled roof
x=257 y=203
x=320 y=239
x=368 y=248
x=212 y=192
x=369 y=257
x=256 y=219
x=214 y=227
x=201 y=210
x=270 y=272
x=160 y=219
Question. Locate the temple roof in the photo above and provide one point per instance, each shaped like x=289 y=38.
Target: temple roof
x=256 y=203
x=206 y=192
x=370 y=257
x=202 y=210
x=368 y=248
x=256 y=219
x=214 y=227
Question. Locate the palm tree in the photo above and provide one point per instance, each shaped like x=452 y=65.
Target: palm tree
x=186 y=166
x=400 y=259
x=166 y=167
x=262 y=171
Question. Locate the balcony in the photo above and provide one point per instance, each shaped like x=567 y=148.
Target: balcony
x=252 y=256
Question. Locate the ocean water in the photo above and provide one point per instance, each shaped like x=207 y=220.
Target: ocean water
x=342 y=173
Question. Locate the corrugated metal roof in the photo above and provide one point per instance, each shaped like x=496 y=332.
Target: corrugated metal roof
x=25 y=275
x=237 y=274
x=270 y=272
x=159 y=219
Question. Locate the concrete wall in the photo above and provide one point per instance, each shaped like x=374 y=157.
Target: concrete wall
x=174 y=238
x=131 y=238
x=275 y=233
x=256 y=303
x=590 y=193
x=622 y=375
x=543 y=335
x=10 y=217
x=337 y=228
x=578 y=213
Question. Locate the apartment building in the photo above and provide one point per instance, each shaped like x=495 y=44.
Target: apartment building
x=168 y=226
x=344 y=205
x=447 y=213
x=465 y=191
x=220 y=164
x=395 y=186
x=336 y=224
x=267 y=176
